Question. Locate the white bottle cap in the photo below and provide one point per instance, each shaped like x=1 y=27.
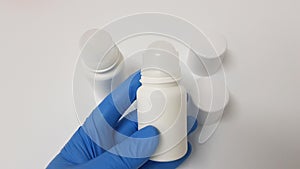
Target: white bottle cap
x=99 y=53
x=206 y=60
x=160 y=63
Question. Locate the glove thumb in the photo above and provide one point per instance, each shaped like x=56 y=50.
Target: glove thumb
x=132 y=153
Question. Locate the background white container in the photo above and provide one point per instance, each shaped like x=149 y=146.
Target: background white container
x=101 y=61
x=206 y=60
x=213 y=98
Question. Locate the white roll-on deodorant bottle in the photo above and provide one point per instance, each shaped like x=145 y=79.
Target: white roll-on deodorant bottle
x=162 y=101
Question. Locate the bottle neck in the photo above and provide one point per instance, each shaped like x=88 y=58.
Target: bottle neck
x=158 y=79
x=168 y=84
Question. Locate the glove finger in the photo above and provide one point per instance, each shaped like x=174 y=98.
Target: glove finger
x=192 y=124
x=115 y=104
x=59 y=163
x=130 y=154
x=126 y=127
x=167 y=165
x=100 y=125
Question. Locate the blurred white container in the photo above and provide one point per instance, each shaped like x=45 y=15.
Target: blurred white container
x=101 y=61
x=207 y=60
x=213 y=98
x=212 y=94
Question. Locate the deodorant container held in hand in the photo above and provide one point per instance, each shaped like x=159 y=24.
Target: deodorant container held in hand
x=162 y=102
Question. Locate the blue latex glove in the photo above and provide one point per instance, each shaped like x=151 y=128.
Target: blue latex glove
x=106 y=142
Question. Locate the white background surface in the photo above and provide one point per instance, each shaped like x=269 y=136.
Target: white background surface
x=39 y=47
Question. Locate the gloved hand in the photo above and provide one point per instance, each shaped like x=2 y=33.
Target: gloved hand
x=105 y=141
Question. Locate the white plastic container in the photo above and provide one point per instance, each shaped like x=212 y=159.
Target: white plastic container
x=161 y=101
x=101 y=61
x=207 y=61
x=213 y=98
x=212 y=95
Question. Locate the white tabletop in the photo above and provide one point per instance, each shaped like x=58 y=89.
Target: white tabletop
x=260 y=128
